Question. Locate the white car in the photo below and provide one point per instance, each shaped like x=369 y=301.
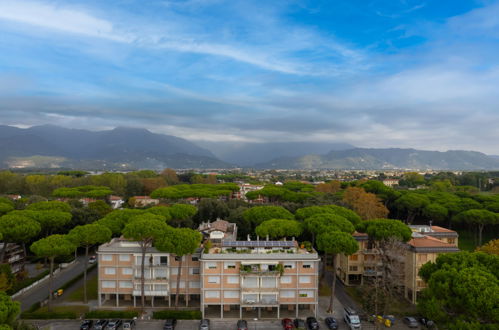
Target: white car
x=92 y=260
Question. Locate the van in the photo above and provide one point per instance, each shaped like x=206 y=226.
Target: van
x=351 y=318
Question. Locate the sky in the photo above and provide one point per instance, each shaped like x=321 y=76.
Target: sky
x=373 y=73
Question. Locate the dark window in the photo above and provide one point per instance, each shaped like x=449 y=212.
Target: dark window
x=195 y=259
x=178 y=258
x=163 y=260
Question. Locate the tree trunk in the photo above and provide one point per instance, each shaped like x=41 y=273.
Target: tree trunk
x=2 y=256
x=51 y=276
x=480 y=229
x=142 y=276
x=333 y=286
x=178 y=281
x=85 y=264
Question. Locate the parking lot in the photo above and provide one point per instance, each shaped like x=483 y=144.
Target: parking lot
x=192 y=325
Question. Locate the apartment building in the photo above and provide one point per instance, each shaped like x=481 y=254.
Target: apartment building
x=14 y=256
x=120 y=275
x=259 y=279
x=426 y=244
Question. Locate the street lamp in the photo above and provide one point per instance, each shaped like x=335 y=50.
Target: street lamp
x=255 y=319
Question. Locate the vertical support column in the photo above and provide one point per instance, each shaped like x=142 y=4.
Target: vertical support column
x=170 y=300
x=134 y=301
x=279 y=310
x=296 y=310
x=221 y=311
x=240 y=312
x=259 y=312
x=117 y=300
x=100 y=300
x=152 y=301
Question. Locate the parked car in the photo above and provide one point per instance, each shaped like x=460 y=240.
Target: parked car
x=331 y=323
x=427 y=323
x=86 y=325
x=391 y=318
x=351 y=318
x=299 y=324
x=100 y=324
x=312 y=323
x=242 y=325
x=113 y=324
x=92 y=260
x=287 y=324
x=170 y=324
x=128 y=324
x=410 y=321
x=204 y=324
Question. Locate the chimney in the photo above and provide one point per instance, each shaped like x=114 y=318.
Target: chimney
x=249 y=238
x=257 y=237
x=267 y=237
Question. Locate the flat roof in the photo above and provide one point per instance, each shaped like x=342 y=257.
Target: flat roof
x=284 y=244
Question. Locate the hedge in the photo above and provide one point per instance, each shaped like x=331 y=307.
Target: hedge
x=103 y=314
x=180 y=315
x=48 y=315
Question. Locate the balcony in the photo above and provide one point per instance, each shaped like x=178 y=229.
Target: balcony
x=261 y=302
x=153 y=265
x=370 y=251
x=260 y=289
x=259 y=272
x=150 y=293
x=371 y=272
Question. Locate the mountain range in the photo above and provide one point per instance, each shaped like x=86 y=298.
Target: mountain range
x=124 y=148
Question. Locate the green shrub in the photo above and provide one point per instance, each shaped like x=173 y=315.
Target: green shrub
x=26 y=282
x=48 y=315
x=104 y=314
x=179 y=315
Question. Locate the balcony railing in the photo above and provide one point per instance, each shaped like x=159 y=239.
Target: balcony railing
x=370 y=251
x=266 y=302
x=149 y=265
x=151 y=292
x=260 y=272
x=371 y=272
x=260 y=289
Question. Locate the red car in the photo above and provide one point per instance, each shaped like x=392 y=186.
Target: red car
x=287 y=324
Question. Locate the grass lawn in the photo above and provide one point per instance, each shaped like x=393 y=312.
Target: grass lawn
x=77 y=295
x=324 y=289
x=67 y=308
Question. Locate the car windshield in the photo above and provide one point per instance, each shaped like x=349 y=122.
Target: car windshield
x=354 y=319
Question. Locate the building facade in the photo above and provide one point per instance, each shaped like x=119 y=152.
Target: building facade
x=262 y=279
x=119 y=266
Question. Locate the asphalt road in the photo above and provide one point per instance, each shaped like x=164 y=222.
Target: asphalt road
x=40 y=292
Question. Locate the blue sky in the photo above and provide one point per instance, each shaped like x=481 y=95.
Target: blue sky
x=381 y=73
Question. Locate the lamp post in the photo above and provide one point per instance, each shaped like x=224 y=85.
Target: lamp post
x=255 y=319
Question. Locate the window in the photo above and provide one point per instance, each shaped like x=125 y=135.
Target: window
x=194 y=284
x=308 y=265
x=233 y=279
x=160 y=273
x=353 y=268
x=354 y=257
x=126 y=284
x=194 y=271
x=107 y=257
x=269 y=282
x=110 y=271
x=306 y=294
x=195 y=259
x=286 y=279
x=138 y=260
x=231 y=294
x=147 y=287
x=421 y=284
x=211 y=265
x=181 y=284
x=287 y=294
x=212 y=294
x=423 y=257
x=305 y=279
x=230 y=265
x=250 y=282
x=178 y=258
x=127 y=271
x=109 y=284
x=451 y=240
x=174 y=271
x=289 y=265
x=124 y=257
x=160 y=287
x=163 y=260
x=213 y=279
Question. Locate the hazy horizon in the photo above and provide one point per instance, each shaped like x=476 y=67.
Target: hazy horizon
x=374 y=74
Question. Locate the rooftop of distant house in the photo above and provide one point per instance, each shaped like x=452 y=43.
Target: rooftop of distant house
x=434 y=231
x=426 y=243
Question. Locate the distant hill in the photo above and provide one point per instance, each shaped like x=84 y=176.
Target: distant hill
x=249 y=154
x=366 y=159
x=120 y=148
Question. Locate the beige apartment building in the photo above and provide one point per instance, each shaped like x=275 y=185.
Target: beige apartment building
x=426 y=244
x=120 y=280
x=259 y=279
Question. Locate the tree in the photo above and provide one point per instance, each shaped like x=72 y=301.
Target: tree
x=5 y=208
x=462 y=290
x=49 y=220
x=278 y=228
x=335 y=242
x=412 y=204
x=479 y=218
x=117 y=220
x=170 y=176
x=211 y=209
x=412 y=180
x=50 y=206
x=100 y=207
x=306 y=212
x=492 y=247
x=8 y=310
x=181 y=213
x=180 y=241
x=258 y=214
x=51 y=247
x=86 y=236
x=163 y=211
x=320 y=223
x=350 y=215
x=144 y=229
x=330 y=187
x=435 y=212
x=367 y=205
x=17 y=228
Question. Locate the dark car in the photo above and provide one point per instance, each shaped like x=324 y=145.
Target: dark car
x=113 y=324
x=410 y=321
x=242 y=325
x=204 y=324
x=170 y=324
x=86 y=325
x=100 y=324
x=427 y=323
x=331 y=323
x=299 y=324
x=287 y=324
x=128 y=324
x=312 y=323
